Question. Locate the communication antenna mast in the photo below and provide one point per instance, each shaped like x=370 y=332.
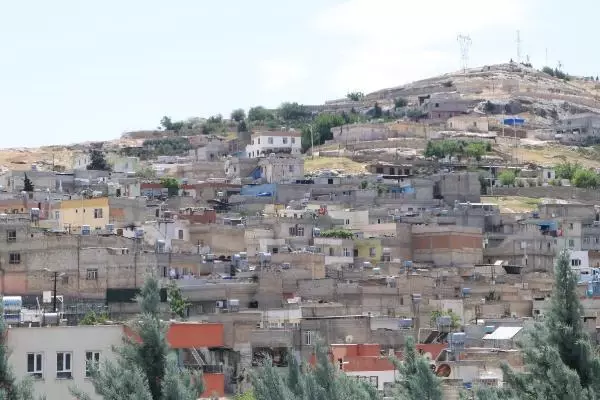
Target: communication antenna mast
x=464 y=42
x=518 y=47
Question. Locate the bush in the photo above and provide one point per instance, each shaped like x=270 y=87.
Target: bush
x=507 y=177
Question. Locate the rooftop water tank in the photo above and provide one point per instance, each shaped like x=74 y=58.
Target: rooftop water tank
x=444 y=320
x=489 y=329
x=405 y=323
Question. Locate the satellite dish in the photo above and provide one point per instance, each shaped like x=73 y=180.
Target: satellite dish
x=349 y=339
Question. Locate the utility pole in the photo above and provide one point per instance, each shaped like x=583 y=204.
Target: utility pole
x=55 y=275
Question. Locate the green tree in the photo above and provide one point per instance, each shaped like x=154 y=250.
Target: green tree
x=355 y=96
x=145 y=369
x=567 y=170
x=585 y=178
x=97 y=161
x=10 y=388
x=377 y=112
x=476 y=150
x=559 y=359
x=259 y=113
x=507 y=177
x=548 y=71
x=321 y=129
x=293 y=112
x=400 y=102
x=417 y=381
x=337 y=233
x=323 y=381
x=27 y=185
x=238 y=115
x=171 y=184
x=242 y=126
x=166 y=123
x=177 y=303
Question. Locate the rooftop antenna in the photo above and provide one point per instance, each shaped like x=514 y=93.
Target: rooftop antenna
x=518 y=47
x=464 y=42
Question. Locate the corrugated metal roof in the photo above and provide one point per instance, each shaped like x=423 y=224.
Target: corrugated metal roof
x=503 y=333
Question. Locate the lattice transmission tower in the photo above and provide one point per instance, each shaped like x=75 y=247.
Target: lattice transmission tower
x=464 y=41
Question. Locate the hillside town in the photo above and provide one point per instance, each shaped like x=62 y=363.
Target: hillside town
x=428 y=213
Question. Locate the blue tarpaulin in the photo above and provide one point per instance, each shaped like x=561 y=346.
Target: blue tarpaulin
x=513 y=121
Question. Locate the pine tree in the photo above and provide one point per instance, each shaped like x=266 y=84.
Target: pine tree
x=417 y=381
x=145 y=369
x=10 y=389
x=27 y=184
x=301 y=382
x=560 y=363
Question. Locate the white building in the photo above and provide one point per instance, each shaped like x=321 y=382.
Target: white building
x=264 y=143
x=55 y=357
x=81 y=160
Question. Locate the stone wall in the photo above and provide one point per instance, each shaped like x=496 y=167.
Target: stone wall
x=553 y=192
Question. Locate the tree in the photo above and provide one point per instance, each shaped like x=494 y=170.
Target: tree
x=238 y=115
x=171 y=184
x=377 y=112
x=548 y=70
x=355 y=96
x=585 y=178
x=97 y=161
x=507 y=177
x=145 y=368
x=146 y=173
x=323 y=381
x=417 y=381
x=10 y=388
x=400 y=102
x=242 y=126
x=293 y=112
x=559 y=360
x=321 y=129
x=259 y=113
x=177 y=302
x=567 y=170
x=476 y=150
x=166 y=123
x=27 y=185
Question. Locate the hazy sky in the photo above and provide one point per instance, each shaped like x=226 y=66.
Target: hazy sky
x=73 y=70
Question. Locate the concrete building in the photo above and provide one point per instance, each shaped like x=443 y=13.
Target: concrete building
x=279 y=169
x=55 y=357
x=447 y=245
x=264 y=143
x=72 y=215
x=81 y=160
x=124 y=164
x=443 y=109
x=361 y=132
x=579 y=129
x=469 y=123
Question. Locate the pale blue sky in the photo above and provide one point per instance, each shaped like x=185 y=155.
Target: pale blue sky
x=73 y=70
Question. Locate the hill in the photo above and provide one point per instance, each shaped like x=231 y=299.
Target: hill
x=516 y=89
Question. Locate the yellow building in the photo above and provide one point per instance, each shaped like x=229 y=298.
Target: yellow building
x=368 y=249
x=71 y=215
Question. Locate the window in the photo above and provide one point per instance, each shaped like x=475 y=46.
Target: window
x=571 y=243
x=258 y=141
x=11 y=235
x=91 y=358
x=92 y=274
x=308 y=338
x=57 y=215
x=34 y=365
x=571 y=226
x=293 y=140
x=63 y=365
x=252 y=141
x=300 y=231
x=270 y=140
x=290 y=168
x=180 y=234
x=14 y=258
x=284 y=140
x=347 y=222
x=372 y=252
x=346 y=252
x=97 y=213
x=575 y=262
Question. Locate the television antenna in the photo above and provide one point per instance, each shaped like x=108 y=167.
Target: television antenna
x=464 y=42
x=518 y=46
